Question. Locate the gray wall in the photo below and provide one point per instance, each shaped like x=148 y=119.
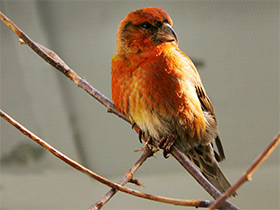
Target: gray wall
x=236 y=47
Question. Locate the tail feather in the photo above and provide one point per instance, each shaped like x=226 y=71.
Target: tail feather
x=203 y=157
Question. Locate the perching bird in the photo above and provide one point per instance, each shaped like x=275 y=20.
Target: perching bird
x=159 y=89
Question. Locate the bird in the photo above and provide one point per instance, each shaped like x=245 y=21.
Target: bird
x=158 y=88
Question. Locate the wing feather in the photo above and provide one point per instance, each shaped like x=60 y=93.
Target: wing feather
x=207 y=106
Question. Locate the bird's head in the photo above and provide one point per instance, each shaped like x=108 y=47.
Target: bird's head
x=145 y=28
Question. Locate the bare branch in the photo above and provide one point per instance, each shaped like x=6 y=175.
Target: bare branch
x=247 y=176
x=79 y=167
x=126 y=178
x=54 y=60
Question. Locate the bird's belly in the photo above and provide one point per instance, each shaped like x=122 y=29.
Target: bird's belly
x=150 y=117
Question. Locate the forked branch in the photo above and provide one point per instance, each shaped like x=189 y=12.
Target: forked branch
x=79 y=167
x=126 y=178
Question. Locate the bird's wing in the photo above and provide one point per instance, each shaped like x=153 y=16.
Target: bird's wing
x=207 y=106
x=205 y=102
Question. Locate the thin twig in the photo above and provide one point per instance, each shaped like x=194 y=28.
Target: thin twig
x=126 y=178
x=247 y=176
x=79 y=167
x=48 y=55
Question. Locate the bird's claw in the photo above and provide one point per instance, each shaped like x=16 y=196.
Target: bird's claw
x=166 y=143
x=140 y=132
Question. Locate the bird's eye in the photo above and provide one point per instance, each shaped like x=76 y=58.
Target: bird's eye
x=146 y=25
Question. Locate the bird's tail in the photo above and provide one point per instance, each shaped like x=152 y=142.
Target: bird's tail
x=204 y=157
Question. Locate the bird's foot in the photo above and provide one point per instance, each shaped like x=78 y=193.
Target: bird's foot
x=166 y=143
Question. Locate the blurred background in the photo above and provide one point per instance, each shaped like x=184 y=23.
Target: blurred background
x=235 y=45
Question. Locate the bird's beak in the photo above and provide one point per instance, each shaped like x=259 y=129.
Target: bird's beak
x=166 y=34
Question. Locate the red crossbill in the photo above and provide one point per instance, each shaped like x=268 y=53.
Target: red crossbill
x=158 y=88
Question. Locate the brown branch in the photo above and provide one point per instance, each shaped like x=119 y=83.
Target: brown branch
x=50 y=57
x=247 y=176
x=54 y=60
x=79 y=167
x=126 y=178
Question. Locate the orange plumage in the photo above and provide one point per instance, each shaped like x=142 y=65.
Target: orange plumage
x=159 y=89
